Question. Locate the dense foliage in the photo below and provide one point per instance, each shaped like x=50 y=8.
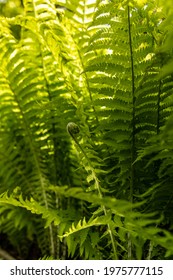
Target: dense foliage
x=86 y=129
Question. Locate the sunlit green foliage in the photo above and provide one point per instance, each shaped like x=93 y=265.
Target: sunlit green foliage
x=86 y=140
x=11 y=8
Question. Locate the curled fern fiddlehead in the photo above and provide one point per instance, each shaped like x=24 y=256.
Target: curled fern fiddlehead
x=72 y=128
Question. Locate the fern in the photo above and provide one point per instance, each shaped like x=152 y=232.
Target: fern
x=84 y=225
x=32 y=132
x=135 y=223
x=93 y=66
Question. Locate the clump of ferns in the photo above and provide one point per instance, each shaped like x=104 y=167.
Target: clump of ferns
x=73 y=130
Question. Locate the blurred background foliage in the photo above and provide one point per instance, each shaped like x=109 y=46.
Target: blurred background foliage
x=9 y=8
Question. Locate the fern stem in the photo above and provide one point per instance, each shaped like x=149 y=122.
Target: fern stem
x=133 y=125
x=133 y=109
x=97 y=186
x=157 y=131
x=56 y=241
x=158 y=108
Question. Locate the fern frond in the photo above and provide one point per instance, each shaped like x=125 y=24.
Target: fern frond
x=32 y=206
x=83 y=224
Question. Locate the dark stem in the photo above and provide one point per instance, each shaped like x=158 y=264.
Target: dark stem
x=158 y=108
x=133 y=126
